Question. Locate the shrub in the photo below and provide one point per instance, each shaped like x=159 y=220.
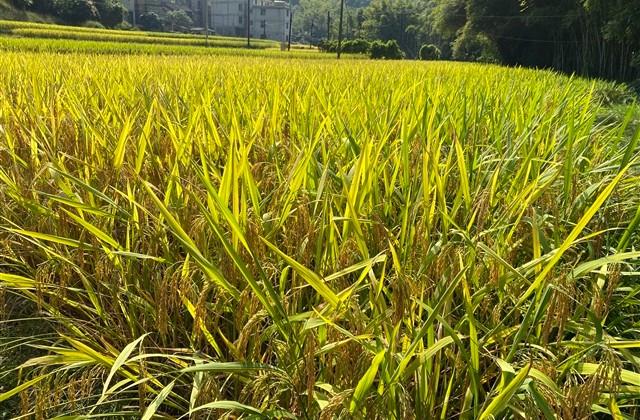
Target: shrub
x=150 y=21
x=429 y=52
x=351 y=46
x=124 y=25
x=328 y=46
x=93 y=24
x=475 y=46
x=389 y=50
x=111 y=12
x=41 y=6
x=75 y=11
x=377 y=50
x=356 y=46
x=23 y=4
x=178 y=19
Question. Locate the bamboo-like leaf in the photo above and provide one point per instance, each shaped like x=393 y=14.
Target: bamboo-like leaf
x=309 y=276
x=579 y=227
x=119 y=152
x=500 y=402
x=366 y=381
x=212 y=272
x=229 y=405
x=119 y=362
x=157 y=401
x=18 y=389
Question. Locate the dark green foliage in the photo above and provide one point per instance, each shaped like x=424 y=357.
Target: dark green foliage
x=310 y=20
x=40 y=6
x=327 y=46
x=429 y=52
x=111 y=12
x=389 y=50
x=23 y=4
x=475 y=46
x=590 y=37
x=394 y=20
x=178 y=19
x=93 y=24
x=124 y=26
x=593 y=38
x=353 y=46
x=356 y=46
x=108 y=13
x=150 y=22
x=75 y=11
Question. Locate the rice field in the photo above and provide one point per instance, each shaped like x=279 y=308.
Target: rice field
x=33 y=37
x=233 y=237
x=75 y=46
x=31 y=30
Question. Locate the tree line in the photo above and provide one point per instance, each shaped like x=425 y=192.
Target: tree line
x=108 y=13
x=599 y=38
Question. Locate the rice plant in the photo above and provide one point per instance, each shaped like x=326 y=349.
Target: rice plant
x=68 y=46
x=50 y=31
x=230 y=237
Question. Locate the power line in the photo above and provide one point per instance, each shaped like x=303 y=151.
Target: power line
x=547 y=41
x=521 y=16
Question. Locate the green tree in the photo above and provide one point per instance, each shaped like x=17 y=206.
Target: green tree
x=23 y=4
x=310 y=19
x=150 y=21
x=429 y=52
x=75 y=11
x=396 y=20
x=111 y=12
x=178 y=19
x=589 y=37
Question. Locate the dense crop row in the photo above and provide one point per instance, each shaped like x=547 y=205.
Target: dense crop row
x=7 y=26
x=49 y=31
x=130 y=48
x=315 y=239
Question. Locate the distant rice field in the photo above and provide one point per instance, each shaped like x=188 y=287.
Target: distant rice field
x=50 y=31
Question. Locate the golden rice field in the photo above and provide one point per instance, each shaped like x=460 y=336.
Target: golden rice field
x=34 y=31
x=234 y=237
x=40 y=37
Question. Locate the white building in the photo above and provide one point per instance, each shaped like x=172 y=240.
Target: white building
x=269 y=19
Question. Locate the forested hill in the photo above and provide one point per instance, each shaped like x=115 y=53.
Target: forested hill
x=590 y=37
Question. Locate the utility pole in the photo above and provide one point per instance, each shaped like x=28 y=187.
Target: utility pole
x=248 y=23
x=311 y=34
x=134 y=14
x=340 y=28
x=329 y=25
x=290 y=24
x=206 y=22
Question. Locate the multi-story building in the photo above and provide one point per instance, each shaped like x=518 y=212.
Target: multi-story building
x=268 y=19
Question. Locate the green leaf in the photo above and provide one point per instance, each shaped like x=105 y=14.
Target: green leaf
x=366 y=381
x=6 y=395
x=568 y=242
x=228 y=405
x=501 y=401
x=212 y=272
x=309 y=276
x=157 y=401
x=229 y=367
x=119 y=362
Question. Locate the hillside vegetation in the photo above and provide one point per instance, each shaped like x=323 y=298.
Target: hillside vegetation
x=9 y=12
x=228 y=236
